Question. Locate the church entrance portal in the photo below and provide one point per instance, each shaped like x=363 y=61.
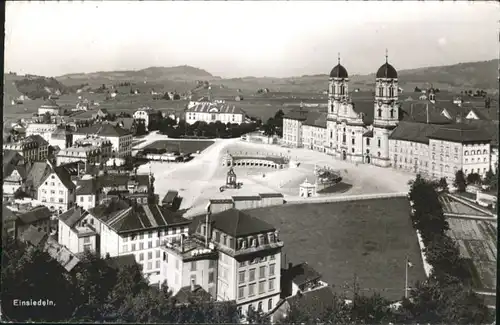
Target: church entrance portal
x=367 y=159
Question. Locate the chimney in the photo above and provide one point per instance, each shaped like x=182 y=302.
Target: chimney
x=290 y=265
x=192 y=285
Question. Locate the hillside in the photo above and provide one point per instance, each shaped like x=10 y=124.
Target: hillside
x=457 y=77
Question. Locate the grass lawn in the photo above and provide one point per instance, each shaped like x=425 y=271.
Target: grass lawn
x=186 y=146
x=367 y=240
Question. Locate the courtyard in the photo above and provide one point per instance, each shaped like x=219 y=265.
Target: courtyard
x=201 y=178
x=365 y=240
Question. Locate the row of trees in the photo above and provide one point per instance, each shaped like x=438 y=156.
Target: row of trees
x=93 y=292
x=274 y=125
x=461 y=181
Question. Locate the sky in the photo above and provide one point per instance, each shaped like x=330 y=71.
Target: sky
x=246 y=38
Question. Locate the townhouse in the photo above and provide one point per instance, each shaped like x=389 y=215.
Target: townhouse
x=120 y=139
x=56 y=190
x=32 y=148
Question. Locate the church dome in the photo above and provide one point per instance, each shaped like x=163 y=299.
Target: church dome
x=339 y=72
x=387 y=71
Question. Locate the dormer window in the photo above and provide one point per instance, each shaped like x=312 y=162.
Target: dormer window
x=254 y=242
x=243 y=244
x=271 y=238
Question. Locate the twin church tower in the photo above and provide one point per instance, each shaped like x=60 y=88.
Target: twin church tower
x=356 y=131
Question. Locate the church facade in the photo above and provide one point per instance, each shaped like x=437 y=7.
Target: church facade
x=373 y=132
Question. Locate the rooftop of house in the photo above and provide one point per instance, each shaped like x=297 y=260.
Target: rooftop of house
x=136 y=217
x=8 y=169
x=8 y=214
x=115 y=180
x=314 y=302
x=11 y=156
x=35 y=214
x=316 y=119
x=196 y=294
x=87 y=186
x=34 y=236
x=208 y=107
x=190 y=247
x=170 y=196
x=415 y=132
x=460 y=132
x=62 y=173
x=236 y=223
x=121 y=261
x=301 y=274
x=72 y=216
x=299 y=114
x=104 y=130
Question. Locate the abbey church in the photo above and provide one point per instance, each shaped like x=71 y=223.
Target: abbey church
x=390 y=131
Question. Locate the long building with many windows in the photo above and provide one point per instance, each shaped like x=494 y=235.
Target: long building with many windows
x=418 y=136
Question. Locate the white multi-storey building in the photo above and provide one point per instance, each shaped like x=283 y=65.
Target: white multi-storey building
x=248 y=265
x=373 y=132
x=56 y=190
x=139 y=230
x=120 y=139
x=42 y=129
x=148 y=115
x=212 y=112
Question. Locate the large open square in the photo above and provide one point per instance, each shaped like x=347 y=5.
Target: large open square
x=365 y=240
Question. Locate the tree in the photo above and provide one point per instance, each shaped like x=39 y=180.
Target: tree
x=443 y=184
x=459 y=182
x=491 y=180
x=257 y=317
x=474 y=178
x=443 y=254
x=417 y=90
x=140 y=128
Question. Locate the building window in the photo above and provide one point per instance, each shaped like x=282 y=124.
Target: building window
x=271 y=284
x=157 y=253
x=141 y=246
x=86 y=240
x=211 y=277
x=211 y=264
x=141 y=257
x=141 y=236
x=124 y=248
x=271 y=269
x=466 y=153
x=251 y=275
x=150 y=266
x=269 y=304
x=272 y=257
x=81 y=198
x=241 y=278
x=378 y=143
x=353 y=141
x=150 y=255
x=379 y=111
x=262 y=272
x=251 y=289
x=150 y=244
x=157 y=264
x=243 y=264
x=392 y=113
x=193 y=266
x=133 y=247
x=367 y=141
x=241 y=293
x=262 y=287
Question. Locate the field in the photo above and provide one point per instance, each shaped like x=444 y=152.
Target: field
x=363 y=239
x=450 y=205
x=184 y=146
x=477 y=240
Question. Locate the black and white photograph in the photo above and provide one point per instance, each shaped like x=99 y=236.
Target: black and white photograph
x=250 y=162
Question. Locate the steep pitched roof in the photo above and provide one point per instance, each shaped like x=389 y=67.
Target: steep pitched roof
x=425 y=111
x=297 y=114
x=64 y=176
x=7 y=214
x=33 y=236
x=317 y=119
x=460 y=133
x=9 y=168
x=122 y=261
x=38 y=213
x=238 y=224
x=87 y=187
x=314 y=302
x=38 y=139
x=104 y=129
x=185 y=295
x=141 y=217
x=72 y=216
x=11 y=157
x=301 y=274
x=38 y=173
x=415 y=132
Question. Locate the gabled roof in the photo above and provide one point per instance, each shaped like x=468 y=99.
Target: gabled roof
x=317 y=119
x=72 y=216
x=207 y=107
x=314 y=302
x=490 y=127
x=140 y=218
x=185 y=295
x=86 y=187
x=121 y=261
x=301 y=274
x=9 y=168
x=104 y=130
x=63 y=175
x=112 y=180
x=38 y=139
x=11 y=156
x=425 y=111
x=238 y=224
x=297 y=114
x=414 y=132
x=36 y=214
x=33 y=236
x=460 y=132
x=8 y=214
x=38 y=173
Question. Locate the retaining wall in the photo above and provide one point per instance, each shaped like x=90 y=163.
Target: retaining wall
x=344 y=198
